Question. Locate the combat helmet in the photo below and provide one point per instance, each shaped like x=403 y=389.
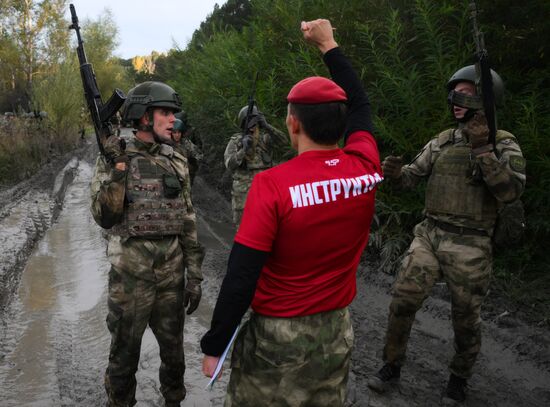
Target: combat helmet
x=469 y=74
x=146 y=95
x=242 y=115
x=179 y=126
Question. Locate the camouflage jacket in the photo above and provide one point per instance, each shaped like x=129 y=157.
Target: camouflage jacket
x=502 y=172
x=259 y=157
x=189 y=149
x=147 y=258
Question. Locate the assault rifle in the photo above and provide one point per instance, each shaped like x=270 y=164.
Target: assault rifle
x=250 y=121
x=99 y=111
x=484 y=80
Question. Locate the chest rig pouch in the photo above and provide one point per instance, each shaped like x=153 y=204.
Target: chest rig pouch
x=453 y=190
x=156 y=203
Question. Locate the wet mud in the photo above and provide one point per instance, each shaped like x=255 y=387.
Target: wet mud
x=54 y=341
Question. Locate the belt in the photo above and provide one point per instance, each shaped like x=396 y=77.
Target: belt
x=459 y=230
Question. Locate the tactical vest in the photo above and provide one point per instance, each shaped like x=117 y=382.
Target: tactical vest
x=156 y=200
x=451 y=188
x=259 y=156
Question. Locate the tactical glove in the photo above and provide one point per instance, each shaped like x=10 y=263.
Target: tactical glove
x=247 y=142
x=261 y=120
x=477 y=132
x=192 y=295
x=391 y=166
x=114 y=148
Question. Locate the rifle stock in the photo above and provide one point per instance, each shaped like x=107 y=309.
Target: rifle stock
x=100 y=113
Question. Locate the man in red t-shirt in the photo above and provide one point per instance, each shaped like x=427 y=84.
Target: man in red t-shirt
x=295 y=256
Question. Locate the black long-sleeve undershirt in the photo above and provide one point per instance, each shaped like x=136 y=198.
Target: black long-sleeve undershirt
x=245 y=264
x=341 y=71
x=236 y=293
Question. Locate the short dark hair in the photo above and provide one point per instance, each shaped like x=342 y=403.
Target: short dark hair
x=324 y=123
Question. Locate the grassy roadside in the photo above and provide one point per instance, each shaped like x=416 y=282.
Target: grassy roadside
x=27 y=144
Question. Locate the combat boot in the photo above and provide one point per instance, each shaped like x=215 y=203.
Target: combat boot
x=386 y=377
x=456 y=390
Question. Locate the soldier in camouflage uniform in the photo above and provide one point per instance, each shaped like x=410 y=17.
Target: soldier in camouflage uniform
x=247 y=155
x=141 y=195
x=180 y=135
x=467 y=181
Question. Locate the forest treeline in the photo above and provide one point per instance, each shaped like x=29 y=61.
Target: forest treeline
x=404 y=50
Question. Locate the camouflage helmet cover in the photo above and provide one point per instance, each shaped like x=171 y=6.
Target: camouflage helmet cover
x=146 y=95
x=469 y=74
x=242 y=114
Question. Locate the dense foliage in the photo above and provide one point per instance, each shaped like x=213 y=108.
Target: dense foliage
x=405 y=52
x=39 y=72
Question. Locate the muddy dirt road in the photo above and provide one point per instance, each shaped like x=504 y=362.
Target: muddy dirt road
x=54 y=341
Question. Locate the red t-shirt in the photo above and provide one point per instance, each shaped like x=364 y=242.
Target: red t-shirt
x=313 y=214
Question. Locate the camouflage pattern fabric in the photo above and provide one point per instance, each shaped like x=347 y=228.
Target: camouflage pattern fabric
x=283 y=362
x=146 y=283
x=461 y=257
x=193 y=154
x=133 y=304
x=504 y=179
x=245 y=165
x=464 y=263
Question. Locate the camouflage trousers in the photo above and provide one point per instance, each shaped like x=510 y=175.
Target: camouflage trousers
x=133 y=304
x=242 y=180
x=464 y=262
x=298 y=362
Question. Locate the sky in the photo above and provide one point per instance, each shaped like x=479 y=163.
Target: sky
x=145 y=26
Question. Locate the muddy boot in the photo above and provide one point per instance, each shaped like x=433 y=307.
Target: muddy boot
x=456 y=391
x=385 y=378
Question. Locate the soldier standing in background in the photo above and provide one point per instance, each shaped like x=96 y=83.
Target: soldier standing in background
x=141 y=195
x=248 y=154
x=468 y=179
x=180 y=135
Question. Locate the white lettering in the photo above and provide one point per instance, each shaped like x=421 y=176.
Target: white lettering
x=325 y=190
x=310 y=194
x=296 y=197
x=347 y=186
x=356 y=186
x=307 y=194
x=314 y=186
x=334 y=188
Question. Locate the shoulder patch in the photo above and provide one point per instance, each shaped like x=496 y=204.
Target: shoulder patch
x=517 y=163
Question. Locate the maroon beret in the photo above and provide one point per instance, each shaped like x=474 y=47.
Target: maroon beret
x=314 y=90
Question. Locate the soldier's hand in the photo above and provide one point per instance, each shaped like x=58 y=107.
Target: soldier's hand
x=192 y=295
x=391 y=166
x=261 y=120
x=477 y=131
x=319 y=33
x=114 y=148
x=247 y=142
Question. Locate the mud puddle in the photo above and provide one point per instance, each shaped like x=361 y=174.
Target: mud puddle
x=54 y=345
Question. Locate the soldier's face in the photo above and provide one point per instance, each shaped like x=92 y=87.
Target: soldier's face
x=176 y=135
x=467 y=88
x=163 y=122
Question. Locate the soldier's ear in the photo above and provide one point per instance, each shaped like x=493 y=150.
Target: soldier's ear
x=293 y=124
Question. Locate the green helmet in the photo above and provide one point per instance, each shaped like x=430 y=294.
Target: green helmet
x=179 y=126
x=146 y=95
x=469 y=74
x=242 y=114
